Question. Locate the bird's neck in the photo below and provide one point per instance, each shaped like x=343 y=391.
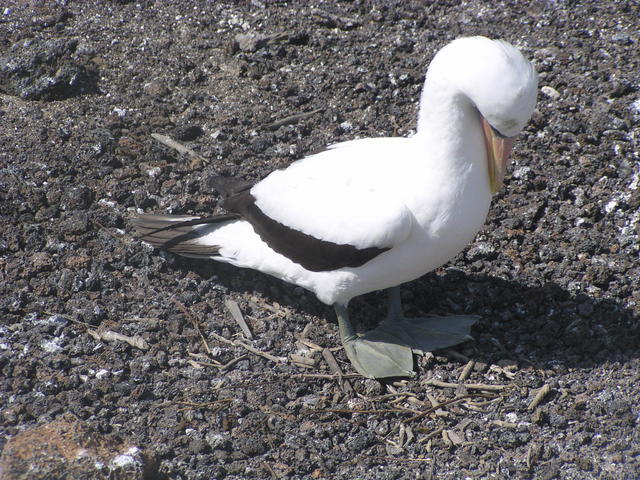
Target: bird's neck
x=449 y=125
x=450 y=133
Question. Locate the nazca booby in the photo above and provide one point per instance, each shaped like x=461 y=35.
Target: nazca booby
x=371 y=214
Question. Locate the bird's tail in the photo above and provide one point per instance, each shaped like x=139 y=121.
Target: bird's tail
x=180 y=234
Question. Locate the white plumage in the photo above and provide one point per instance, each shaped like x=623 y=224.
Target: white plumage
x=373 y=192
x=422 y=199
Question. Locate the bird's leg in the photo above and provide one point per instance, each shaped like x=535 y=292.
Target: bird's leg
x=347 y=332
x=371 y=356
x=394 y=303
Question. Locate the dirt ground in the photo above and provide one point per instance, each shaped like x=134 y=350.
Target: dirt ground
x=141 y=348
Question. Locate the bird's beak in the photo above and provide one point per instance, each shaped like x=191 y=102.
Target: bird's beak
x=498 y=149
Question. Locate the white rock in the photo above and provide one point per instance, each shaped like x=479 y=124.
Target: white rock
x=550 y=92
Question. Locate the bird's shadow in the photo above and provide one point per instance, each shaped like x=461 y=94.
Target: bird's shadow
x=546 y=325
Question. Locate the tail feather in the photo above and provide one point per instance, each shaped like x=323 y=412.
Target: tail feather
x=179 y=233
x=229 y=186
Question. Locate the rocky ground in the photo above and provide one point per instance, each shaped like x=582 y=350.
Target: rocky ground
x=119 y=360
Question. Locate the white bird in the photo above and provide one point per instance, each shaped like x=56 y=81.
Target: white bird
x=371 y=214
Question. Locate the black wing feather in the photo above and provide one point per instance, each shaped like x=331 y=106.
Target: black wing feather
x=312 y=253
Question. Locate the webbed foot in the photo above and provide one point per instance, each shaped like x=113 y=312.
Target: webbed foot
x=387 y=350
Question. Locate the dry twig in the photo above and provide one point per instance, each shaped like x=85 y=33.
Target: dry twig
x=68 y=317
x=540 y=395
x=308 y=343
x=326 y=376
x=335 y=368
x=268 y=468
x=255 y=351
x=171 y=143
x=332 y=20
x=215 y=363
x=436 y=407
x=397 y=459
x=356 y=410
x=234 y=309
x=108 y=336
x=469 y=386
x=107 y=231
x=194 y=322
x=217 y=404
x=466 y=371
x=292 y=119
x=503 y=424
x=220 y=338
x=302 y=361
x=111 y=336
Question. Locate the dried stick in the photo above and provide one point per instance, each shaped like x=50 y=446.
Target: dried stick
x=470 y=386
x=291 y=119
x=194 y=322
x=171 y=143
x=234 y=309
x=335 y=368
x=111 y=336
x=542 y=393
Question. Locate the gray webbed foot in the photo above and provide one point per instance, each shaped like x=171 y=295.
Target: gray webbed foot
x=387 y=350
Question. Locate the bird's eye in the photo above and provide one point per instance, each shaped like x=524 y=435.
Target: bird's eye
x=494 y=129
x=497 y=132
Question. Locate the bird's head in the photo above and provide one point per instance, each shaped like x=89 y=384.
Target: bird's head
x=500 y=83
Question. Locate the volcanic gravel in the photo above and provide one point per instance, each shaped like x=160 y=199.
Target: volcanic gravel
x=106 y=344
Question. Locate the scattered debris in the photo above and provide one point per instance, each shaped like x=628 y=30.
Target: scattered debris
x=331 y=20
x=466 y=371
x=234 y=309
x=220 y=338
x=196 y=159
x=540 y=396
x=110 y=336
x=335 y=368
x=556 y=278
x=302 y=361
x=469 y=386
x=290 y=120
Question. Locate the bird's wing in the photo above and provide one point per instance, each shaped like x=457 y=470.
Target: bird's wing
x=332 y=210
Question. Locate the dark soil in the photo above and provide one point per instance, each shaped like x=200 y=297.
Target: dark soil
x=554 y=274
